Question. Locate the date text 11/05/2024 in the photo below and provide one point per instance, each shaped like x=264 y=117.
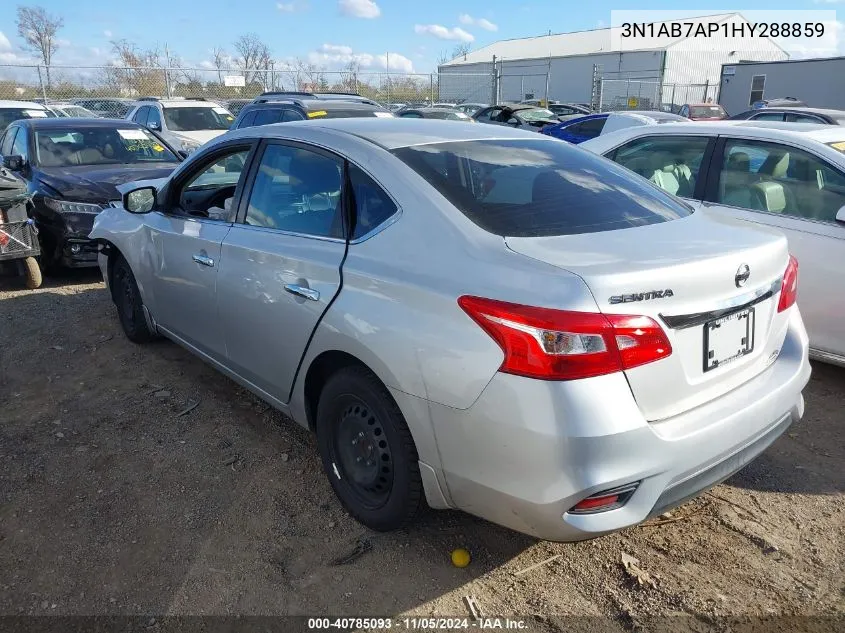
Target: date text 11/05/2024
x=722 y=29
x=416 y=624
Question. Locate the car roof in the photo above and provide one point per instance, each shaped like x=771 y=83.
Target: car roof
x=764 y=129
x=793 y=109
x=29 y=105
x=178 y=103
x=392 y=133
x=701 y=103
x=312 y=105
x=85 y=122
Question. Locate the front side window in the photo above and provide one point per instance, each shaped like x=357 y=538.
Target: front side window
x=210 y=191
x=8 y=139
x=20 y=146
x=781 y=179
x=670 y=162
x=141 y=115
x=297 y=190
x=589 y=129
x=268 y=116
x=535 y=188
x=411 y=115
x=154 y=118
x=194 y=118
x=768 y=116
x=65 y=147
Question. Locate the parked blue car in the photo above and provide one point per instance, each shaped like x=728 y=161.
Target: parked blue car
x=579 y=129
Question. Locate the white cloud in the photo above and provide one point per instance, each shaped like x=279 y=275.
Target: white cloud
x=335 y=57
x=442 y=33
x=292 y=7
x=5 y=44
x=367 y=9
x=108 y=34
x=207 y=64
x=468 y=20
x=336 y=49
x=829 y=1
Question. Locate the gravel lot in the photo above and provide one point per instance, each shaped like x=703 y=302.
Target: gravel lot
x=111 y=502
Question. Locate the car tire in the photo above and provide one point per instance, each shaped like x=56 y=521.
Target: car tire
x=367 y=450
x=130 y=305
x=32 y=273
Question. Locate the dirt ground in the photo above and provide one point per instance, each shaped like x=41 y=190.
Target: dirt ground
x=111 y=502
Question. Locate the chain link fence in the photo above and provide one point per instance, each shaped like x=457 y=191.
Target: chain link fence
x=71 y=83
x=637 y=94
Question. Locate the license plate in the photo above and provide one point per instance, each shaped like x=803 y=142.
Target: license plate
x=728 y=338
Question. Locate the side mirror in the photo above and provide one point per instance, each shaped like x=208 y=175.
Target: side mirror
x=840 y=215
x=13 y=163
x=154 y=125
x=141 y=200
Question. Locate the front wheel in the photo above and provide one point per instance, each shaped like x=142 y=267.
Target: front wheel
x=32 y=273
x=367 y=450
x=130 y=306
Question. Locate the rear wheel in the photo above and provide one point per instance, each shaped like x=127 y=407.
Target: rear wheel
x=32 y=273
x=367 y=450
x=130 y=306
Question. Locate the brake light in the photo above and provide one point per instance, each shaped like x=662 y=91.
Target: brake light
x=789 y=288
x=561 y=345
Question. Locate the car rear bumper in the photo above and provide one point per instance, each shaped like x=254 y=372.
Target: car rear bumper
x=527 y=450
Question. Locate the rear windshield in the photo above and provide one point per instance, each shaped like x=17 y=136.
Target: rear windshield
x=536 y=114
x=707 y=112
x=193 y=119
x=535 y=188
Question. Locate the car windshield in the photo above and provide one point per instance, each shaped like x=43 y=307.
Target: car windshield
x=7 y=115
x=77 y=111
x=538 y=188
x=195 y=118
x=707 y=111
x=450 y=115
x=64 y=147
x=536 y=114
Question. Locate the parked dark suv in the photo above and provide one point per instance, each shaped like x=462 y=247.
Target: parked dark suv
x=285 y=107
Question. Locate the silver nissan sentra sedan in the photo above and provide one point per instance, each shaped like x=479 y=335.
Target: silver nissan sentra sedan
x=471 y=317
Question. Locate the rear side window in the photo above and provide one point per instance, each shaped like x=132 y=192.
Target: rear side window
x=292 y=115
x=536 y=188
x=372 y=205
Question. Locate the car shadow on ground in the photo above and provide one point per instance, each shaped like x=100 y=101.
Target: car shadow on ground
x=137 y=479
x=808 y=458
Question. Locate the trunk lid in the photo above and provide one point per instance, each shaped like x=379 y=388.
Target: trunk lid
x=683 y=274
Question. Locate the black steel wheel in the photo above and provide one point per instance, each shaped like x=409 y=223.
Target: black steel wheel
x=129 y=304
x=367 y=450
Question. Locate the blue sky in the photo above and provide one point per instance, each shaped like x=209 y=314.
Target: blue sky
x=329 y=32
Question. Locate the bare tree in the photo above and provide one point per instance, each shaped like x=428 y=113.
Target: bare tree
x=461 y=50
x=349 y=75
x=220 y=59
x=253 y=55
x=443 y=58
x=137 y=71
x=38 y=29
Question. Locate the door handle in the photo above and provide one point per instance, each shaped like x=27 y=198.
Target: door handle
x=299 y=291
x=203 y=259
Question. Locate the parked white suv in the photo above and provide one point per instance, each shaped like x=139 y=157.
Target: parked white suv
x=184 y=123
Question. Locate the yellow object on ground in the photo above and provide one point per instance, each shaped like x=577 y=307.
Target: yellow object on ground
x=460 y=557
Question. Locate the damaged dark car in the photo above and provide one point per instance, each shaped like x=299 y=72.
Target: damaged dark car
x=72 y=168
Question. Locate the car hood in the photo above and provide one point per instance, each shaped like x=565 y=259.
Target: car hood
x=199 y=136
x=98 y=183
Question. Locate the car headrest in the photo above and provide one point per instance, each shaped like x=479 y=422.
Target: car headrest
x=739 y=161
x=311 y=173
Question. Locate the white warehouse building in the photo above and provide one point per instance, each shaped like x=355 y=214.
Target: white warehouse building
x=584 y=67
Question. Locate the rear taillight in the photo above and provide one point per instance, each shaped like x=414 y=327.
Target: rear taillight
x=789 y=288
x=561 y=345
